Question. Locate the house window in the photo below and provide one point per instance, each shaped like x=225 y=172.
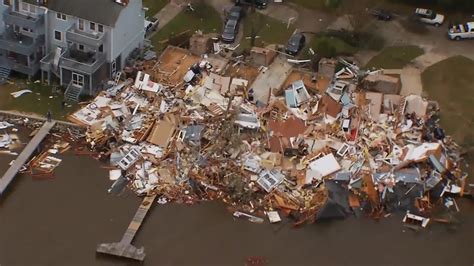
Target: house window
x=61 y=16
x=24 y=7
x=58 y=36
x=92 y=26
x=80 y=24
x=78 y=79
x=6 y=2
x=100 y=27
x=80 y=47
x=101 y=48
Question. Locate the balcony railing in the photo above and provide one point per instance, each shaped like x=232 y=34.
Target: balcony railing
x=93 y=40
x=18 y=67
x=19 y=43
x=87 y=63
x=47 y=62
x=11 y=17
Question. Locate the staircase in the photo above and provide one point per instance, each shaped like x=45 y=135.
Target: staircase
x=402 y=107
x=4 y=74
x=72 y=93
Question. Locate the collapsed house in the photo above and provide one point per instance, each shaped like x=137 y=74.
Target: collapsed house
x=190 y=134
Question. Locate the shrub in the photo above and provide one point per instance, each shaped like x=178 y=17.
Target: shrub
x=333 y=3
x=326 y=49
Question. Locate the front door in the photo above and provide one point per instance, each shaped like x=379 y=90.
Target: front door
x=78 y=80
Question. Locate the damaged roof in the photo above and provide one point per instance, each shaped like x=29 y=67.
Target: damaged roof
x=105 y=12
x=319 y=159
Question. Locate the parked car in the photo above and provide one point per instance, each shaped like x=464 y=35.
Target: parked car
x=231 y=30
x=296 y=42
x=461 y=31
x=429 y=17
x=261 y=4
x=235 y=13
x=151 y=24
x=381 y=14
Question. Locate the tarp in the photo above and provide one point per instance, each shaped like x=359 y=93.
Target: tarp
x=337 y=205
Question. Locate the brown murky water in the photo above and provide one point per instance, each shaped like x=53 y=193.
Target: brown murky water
x=60 y=222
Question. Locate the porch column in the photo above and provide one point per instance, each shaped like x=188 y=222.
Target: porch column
x=28 y=64
x=90 y=85
x=61 y=76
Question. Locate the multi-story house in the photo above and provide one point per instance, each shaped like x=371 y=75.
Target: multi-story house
x=22 y=35
x=83 y=42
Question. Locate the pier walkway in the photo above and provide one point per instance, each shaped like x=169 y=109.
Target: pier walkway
x=124 y=248
x=24 y=156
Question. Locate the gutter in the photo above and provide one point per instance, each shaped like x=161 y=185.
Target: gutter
x=46 y=31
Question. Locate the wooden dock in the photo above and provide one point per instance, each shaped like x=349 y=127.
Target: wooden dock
x=24 y=156
x=124 y=248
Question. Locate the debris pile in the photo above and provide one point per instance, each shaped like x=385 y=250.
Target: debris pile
x=61 y=139
x=309 y=154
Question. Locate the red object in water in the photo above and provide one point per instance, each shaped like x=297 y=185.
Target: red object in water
x=255 y=261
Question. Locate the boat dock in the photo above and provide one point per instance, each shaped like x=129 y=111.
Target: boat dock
x=24 y=156
x=124 y=248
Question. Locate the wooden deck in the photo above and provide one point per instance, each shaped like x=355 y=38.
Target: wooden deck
x=24 y=156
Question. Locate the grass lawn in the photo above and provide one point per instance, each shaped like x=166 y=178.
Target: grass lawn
x=204 y=18
x=328 y=46
x=450 y=82
x=395 y=57
x=268 y=31
x=39 y=101
x=154 y=6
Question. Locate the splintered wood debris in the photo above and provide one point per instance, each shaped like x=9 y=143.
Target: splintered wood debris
x=186 y=133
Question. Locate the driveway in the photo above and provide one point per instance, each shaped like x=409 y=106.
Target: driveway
x=434 y=41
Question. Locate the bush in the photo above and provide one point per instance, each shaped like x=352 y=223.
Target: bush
x=333 y=3
x=326 y=49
